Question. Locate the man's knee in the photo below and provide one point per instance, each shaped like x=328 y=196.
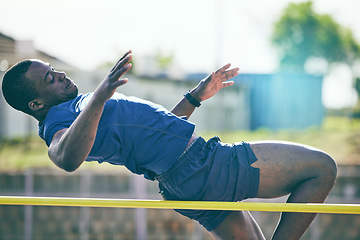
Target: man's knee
x=327 y=169
x=238 y=225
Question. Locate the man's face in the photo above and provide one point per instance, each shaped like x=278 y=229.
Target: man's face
x=53 y=87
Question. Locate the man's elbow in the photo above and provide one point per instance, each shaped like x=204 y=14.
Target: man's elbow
x=70 y=164
x=69 y=167
x=65 y=163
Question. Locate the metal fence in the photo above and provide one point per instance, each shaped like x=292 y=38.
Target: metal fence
x=34 y=222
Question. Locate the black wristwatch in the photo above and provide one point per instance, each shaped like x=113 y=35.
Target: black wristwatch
x=192 y=100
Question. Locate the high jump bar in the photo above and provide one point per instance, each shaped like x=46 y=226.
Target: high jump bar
x=198 y=205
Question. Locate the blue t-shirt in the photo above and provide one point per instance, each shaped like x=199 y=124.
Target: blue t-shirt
x=143 y=136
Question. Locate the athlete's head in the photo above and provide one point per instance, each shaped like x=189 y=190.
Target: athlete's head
x=33 y=85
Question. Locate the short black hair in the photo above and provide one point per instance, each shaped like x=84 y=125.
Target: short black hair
x=18 y=91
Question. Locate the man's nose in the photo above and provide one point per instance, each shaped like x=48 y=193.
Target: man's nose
x=61 y=76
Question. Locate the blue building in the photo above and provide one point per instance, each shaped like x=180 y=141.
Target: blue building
x=283 y=100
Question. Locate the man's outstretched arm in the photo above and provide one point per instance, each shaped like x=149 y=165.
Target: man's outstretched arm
x=70 y=147
x=206 y=88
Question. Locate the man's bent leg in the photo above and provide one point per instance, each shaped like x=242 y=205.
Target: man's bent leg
x=238 y=225
x=307 y=174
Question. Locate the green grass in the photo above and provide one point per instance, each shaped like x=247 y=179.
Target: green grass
x=338 y=136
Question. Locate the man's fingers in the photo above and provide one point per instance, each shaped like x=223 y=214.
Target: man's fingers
x=127 y=53
x=121 y=82
x=123 y=60
x=229 y=74
x=121 y=71
x=226 y=66
x=227 y=84
x=223 y=68
x=223 y=72
x=232 y=73
x=122 y=65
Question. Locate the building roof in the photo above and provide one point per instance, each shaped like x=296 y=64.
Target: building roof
x=13 y=51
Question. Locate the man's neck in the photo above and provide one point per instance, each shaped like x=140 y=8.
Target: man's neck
x=41 y=115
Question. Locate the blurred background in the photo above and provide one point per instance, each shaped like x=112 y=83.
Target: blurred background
x=299 y=81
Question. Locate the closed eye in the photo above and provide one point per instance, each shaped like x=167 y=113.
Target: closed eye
x=50 y=78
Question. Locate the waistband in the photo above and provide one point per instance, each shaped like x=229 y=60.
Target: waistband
x=195 y=149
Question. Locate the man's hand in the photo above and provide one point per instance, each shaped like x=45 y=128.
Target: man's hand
x=109 y=85
x=219 y=79
x=206 y=88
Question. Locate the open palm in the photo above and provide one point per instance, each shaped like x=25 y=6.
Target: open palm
x=219 y=79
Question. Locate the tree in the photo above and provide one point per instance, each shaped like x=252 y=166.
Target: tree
x=301 y=34
x=164 y=61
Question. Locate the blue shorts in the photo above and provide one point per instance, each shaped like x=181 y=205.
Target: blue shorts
x=211 y=171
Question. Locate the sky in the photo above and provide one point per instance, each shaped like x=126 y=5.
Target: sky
x=201 y=34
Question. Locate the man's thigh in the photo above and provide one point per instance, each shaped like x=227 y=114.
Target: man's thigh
x=238 y=225
x=283 y=165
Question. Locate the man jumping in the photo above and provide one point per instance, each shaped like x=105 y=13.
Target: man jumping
x=107 y=126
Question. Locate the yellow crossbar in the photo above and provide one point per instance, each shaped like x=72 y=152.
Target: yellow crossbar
x=200 y=205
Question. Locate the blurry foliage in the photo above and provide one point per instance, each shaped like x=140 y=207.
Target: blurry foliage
x=356 y=109
x=21 y=153
x=301 y=33
x=164 y=61
x=357 y=85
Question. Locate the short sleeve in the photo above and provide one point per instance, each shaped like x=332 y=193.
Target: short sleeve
x=56 y=119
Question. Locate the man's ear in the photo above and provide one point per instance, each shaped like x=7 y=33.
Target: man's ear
x=36 y=105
